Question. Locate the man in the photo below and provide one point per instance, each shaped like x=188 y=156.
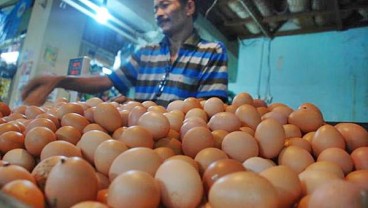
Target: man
x=182 y=65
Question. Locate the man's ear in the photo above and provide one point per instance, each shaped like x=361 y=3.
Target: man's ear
x=190 y=7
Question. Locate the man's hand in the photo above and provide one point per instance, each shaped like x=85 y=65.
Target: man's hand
x=38 y=89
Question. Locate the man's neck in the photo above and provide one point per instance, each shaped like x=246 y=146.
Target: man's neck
x=177 y=40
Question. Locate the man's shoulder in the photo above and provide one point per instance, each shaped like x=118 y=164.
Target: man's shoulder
x=215 y=45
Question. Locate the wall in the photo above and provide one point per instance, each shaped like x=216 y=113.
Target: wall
x=328 y=69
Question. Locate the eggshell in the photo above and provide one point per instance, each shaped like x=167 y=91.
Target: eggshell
x=338 y=156
x=20 y=157
x=306 y=119
x=359 y=177
x=137 y=158
x=213 y=105
x=75 y=120
x=62 y=148
x=137 y=136
x=355 y=135
x=69 y=108
x=135 y=114
x=197 y=112
x=257 y=164
x=240 y=146
x=156 y=123
x=14 y=172
x=176 y=119
x=281 y=118
x=248 y=115
x=325 y=137
x=68 y=133
x=37 y=138
x=225 y=121
x=243 y=188
x=197 y=139
x=291 y=130
x=93 y=126
x=286 y=182
x=191 y=123
x=164 y=152
x=134 y=189
x=359 y=157
x=327 y=166
x=218 y=136
x=271 y=138
x=90 y=141
x=90 y=204
x=108 y=116
x=33 y=111
x=207 y=156
x=186 y=192
x=172 y=143
x=11 y=140
x=242 y=98
x=157 y=108
x=71 y=181
x=300 y=142
x=296 y=158
x=311 y=180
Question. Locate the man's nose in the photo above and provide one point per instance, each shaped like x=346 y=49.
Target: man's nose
x=159 y=12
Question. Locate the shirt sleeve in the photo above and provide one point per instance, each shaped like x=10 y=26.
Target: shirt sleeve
x=214 y=78
x=125 y=76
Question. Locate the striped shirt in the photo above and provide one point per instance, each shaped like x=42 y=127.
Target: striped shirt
x=200 y=71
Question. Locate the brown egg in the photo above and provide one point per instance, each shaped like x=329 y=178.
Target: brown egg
x=164 y=152
x=190 y=103
x=108 y=116
x=137 y=158
x=134 y=189
x=191 y=123
x=284 y=110
x=90 y=204
x=240 y=188
x=306 y=119
x=247 y=130
x=291 y=130
x=207 y=156
x=68 y=133
x=105 y=154
x=197 y=139
x=171 y=143
x=213 y=105
x=286 y=182
x=231 y=108
x=337 y=193
x=186 y=159
x=242 y=98
x=258 y=164
x=225 y=121
x=4 y=109
x=218 y=136
x=93 y=126
x=45 y=122
x=62 y=148
x=327 y=166
x=186 y=192
x=43 y=168
x=90 y=141
x=240 y=146
x=118 y=132
x=137 y=136
x=14 y=172
x=52 y=117
x=11 y=140
x=295 y=158
x=103 y=182
x=26 y=192
x=5 y=127
x=248 y=115
x=197 y=112
x=176 y=119
x=94 y=101
x=148 y=103
x=338 y=156
x=325 y=137
x=20 y=157
x=175 y=105
x=355 y=135
x=71 y=181
x=309 y=136
x=359 y=177
x=37 y=138
x=271 y=138
x=156 y=123
x=259 y=103
x=13 y=116
x=359 y=157
x=173 y=134
x=309 y=106
x=218 y=169
x=157 y=108
x=300 y=142
x=89 y=113
x=311 y=180
x=281 y=118
x=33 y=111
x=70 y=108
x=75 y=120
x=275 y=105
x=125 y=117
x=135 y=114
x=262 y=110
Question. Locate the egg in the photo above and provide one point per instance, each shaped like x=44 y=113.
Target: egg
x=175 y=119
x=186 y=192
x=135 y=114
x=137 y=136
x=257 y=164
x=286 y=182
x=14 y=172
x=242 y=98
x=218 y=136
x=191 y=123
x=164 y=152
x=11 y=140
x=296 y=158
x=20 y=157
x=355 y=135
x=90 y=204
x=137 y=158
x=225 y=121
x=270 y=136
x=93 y=101
x=90 y=141
x=171 y=143
x=359 y=157
x=197 y=112
x=327 y=166
x=240 y=146
x=157 y=108
x=93 y=126
x=71 y=181
x=69 y=108
x=190 y=103
x=33 y=111
x=207 y=156
x=243 y=188
x=306 y=119
x=300 y=142
x=175 y=105
x=213 y=105
x=291 y=130
x=68 y=133
x=62 y=148
x=248 y=115
x=108 y=116
x=156 y=123
x=218 y=169
x=5 y=127
x=338 y=156
x=359 y=177
x=325 y=137
x=41 y=122
x=311 y=180
x=281 y=118
x=197 y=139
x=105 y=154
x=50 y=116
x=75 y=120
x=37 y=138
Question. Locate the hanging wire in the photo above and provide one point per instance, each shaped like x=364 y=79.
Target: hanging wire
x=260 y=70
x=211 y=7
x=268 y=84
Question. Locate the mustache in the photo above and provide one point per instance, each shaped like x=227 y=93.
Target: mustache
x=161 y=19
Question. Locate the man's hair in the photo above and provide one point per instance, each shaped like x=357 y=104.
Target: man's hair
x=195 y=14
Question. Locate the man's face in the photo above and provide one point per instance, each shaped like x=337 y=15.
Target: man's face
x=170 y=15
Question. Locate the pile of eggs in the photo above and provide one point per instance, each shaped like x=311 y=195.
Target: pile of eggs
x=193 y=153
